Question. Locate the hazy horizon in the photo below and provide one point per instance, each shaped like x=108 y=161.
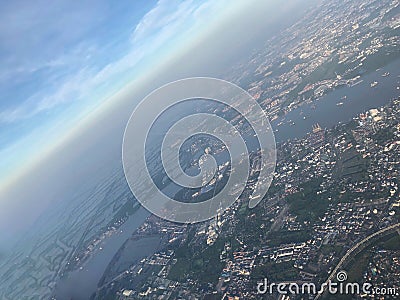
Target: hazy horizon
x=94 y=139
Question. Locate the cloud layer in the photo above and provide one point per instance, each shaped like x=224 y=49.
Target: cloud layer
x=65 y=56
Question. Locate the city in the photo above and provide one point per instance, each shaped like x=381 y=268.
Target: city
x=338 y=187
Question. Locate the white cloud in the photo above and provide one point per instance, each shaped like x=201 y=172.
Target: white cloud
x=70 y=89
x=168 y=20
x=165 y=15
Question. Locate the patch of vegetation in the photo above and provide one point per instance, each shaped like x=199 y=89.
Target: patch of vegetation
x=351 y=165
x=287 y=237
x=275 y=272
x=327 y=249
x=392 y=243
x=383 y=136
x=205 y=265
x=306 y=204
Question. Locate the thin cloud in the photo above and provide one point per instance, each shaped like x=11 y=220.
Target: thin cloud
x=161 y=24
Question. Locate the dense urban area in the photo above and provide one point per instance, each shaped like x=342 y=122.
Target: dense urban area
x=332 y=189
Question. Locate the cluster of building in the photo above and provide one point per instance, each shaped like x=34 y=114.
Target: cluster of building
x=332 y=50
x=382 y=273
x=354 y=166
x=357 y=204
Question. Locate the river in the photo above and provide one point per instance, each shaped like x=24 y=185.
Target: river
x=80 y=284
x=327 y=113
x=357 y=99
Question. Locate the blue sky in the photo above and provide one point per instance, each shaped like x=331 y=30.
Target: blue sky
x=62 y=59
